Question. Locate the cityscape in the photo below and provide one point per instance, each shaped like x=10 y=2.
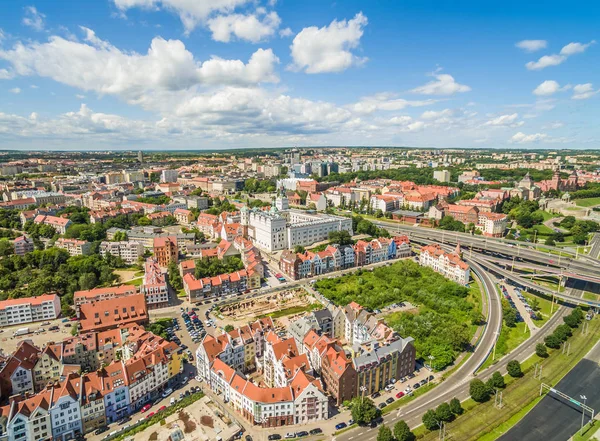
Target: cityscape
x=266 y=220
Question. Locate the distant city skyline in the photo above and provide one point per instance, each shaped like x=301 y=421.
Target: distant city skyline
x=213 y=74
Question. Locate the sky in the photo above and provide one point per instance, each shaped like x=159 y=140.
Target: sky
x=209 y=74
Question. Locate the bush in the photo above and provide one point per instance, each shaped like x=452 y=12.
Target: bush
x=479 y=391
x=541 y=351
x=456 y=407
x=514 y=369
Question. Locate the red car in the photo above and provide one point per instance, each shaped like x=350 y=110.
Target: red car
x=146 y=407
x=73 y=319
x=150 y=415
x=162 y=408
x=399 y=394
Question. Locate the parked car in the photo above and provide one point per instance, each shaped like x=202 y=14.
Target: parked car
x=161 y=408
x=100 y=430
x=381 y=405
x=274 y=437
x=316 y=431
x=416 y=386
x=167 y=392
x=302 y=433
x=399 y=394
x=290 y=435
x=340 y=426
x=376 y=395
x=390 y=400
x=146 y=407
x=248 y=438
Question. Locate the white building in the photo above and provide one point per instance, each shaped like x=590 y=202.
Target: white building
x=275 y=230
x=155 y=286
x=492 y=224
x=29 y=309
x=65 y=409
x=130 y=251
x=450 y=265
x=75 y=247
x=169 y=175
x=441 y=175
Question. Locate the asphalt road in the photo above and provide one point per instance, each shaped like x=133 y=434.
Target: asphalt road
x=554 y=418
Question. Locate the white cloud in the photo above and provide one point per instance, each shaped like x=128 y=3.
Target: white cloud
x=5 y=75
x=15 y=90
x=547 y=88
x=191 y=12
x=575 y=48
x=437 y=114
x=532 y=45
x=556 y=59
x=168 y=67
x=522 y=138
x=287 y=32
x=80 y=96
x=245 y=27
x=385 y=102
x=34 y=86
x=328 y=49
x=505 y=120
x=2 y=36
x=546 y=61
x=583 y=91
x=444 y=84
x=33 y=18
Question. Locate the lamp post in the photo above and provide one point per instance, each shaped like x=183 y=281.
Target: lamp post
x=584 y=398
x=431 y=358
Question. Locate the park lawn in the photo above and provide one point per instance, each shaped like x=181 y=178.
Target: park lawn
x=508 y=340
x=545 y=306
x=485 y=418
x=547 y=215
x=587 y=202
x=542 y=230
x=136 y=282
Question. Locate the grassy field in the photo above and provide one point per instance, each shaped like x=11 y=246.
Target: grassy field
x=589 y=202
x=508 y=340
x=486 y=422
x=590 y=296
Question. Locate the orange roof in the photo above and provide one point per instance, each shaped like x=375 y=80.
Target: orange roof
x=28 y=300
x=113 y=312
x=115 y=290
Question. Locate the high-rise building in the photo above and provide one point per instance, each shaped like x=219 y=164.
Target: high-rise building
x=169 y=176
x=441 y=175
x=140 y=156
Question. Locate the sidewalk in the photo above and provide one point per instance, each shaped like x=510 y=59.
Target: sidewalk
x=521 y=308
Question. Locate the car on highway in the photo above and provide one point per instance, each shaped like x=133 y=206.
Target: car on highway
x=146 y=407
x=340 y=426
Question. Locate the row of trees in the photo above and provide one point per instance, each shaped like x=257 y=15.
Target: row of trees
x=564 y=331
x=401 y=432
x=480 y=391
x=445 y=412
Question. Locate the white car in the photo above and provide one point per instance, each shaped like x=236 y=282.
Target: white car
x=290 y=435
x=389 y=387
x=167 y=392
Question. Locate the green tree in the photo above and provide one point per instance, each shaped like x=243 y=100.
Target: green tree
x=402 y=432
x=384 y=433
x=497 y=381
x=6 y=248
x=571 y=321
x=175 y=277
x=563 y=332
x=87 y=281
x=363 y=410
x=443 y=412
x=514 y=369
x=430 y=420
x=535 y=304
x=456 y=407
x=299 y=249
x=229 y=328
x=552 y=341
x=541 y=351
x=478 y=390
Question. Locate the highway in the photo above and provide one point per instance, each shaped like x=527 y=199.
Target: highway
x=584 y=265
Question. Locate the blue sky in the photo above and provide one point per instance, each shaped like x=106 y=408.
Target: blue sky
x=190 y=74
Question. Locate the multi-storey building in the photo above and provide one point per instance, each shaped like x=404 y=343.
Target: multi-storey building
x=27 y=419
x=155 y=286
x=16 y=376
x=99 y=294
x=74 y=247
x=166 y=250
x=48 y=366
x=111 y=313
x=450 y=265
x=130 y=251
x=60 y=224
x=29 y=309
x=492 y=224
x=65 y=408
x=169 y=175
x=23 y=245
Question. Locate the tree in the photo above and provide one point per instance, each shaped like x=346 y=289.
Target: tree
x=456 y=407
x=363 y=410
x=552 y=341
x=541 y=351
x=6 y=248
x=299 y=249
x=430 y=420
x=385 y=433
x=443 y=412
x=550 y=241
x=478 y=390
x=402 y=432
x=563 y=332
x=497 y=381
x=535 y=304
x=229 y=328
x=571 y=321
x=87 y=281
x=174 y=277
x=514 y=369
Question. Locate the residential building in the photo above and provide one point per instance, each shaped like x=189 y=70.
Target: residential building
x=16 y=376
x=155 y=286
x=168 y=175
x=166 y=250
x=29 y=309
x=111 y=313
x=441 y=175
x=23 y=245
x=129 y=250
x=75 y=247
x=183 y=216
x=99 y=294
x=450 y=265
x=48 y=366
x=492 y=224
x=27 y=418
x=60 y=224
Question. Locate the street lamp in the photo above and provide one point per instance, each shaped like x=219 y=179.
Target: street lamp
x=584 y=398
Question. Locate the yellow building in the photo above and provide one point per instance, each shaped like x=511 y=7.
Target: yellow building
x=48 y=366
